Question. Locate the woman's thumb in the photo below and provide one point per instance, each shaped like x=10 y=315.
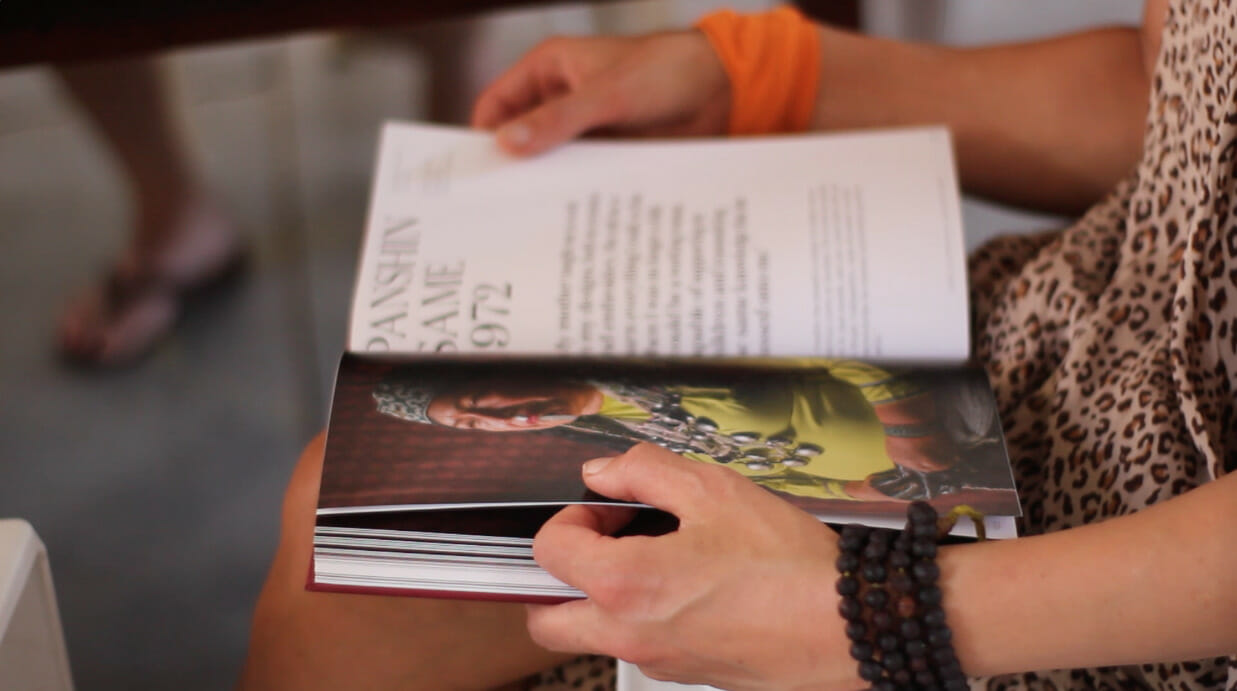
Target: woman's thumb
x=651 y=475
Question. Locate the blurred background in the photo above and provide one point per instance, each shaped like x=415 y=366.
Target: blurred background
x=156 y=486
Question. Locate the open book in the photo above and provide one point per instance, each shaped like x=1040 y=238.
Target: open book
x=793 y=308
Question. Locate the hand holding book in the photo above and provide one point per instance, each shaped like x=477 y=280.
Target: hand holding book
x=688 y=605
x=680 y=293
x=665 y=85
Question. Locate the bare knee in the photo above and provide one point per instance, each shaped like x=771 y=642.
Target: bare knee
x=309 y=640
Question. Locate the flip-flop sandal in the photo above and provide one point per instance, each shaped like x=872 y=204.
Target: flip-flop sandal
x=122 y=294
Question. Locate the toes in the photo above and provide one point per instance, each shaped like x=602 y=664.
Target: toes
x=94 y=332
x=80 y=324
x=135 y=330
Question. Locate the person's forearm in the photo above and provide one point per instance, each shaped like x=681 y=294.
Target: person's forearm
x=1157 y=586
x=1051 y=125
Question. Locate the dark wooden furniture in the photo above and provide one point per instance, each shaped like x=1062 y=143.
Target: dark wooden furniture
x=70 y=30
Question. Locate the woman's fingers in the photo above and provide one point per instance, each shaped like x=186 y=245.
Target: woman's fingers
x=684 y=603
x=656 y=85
x=520 y=88
x=573 y=627
x=556 y=92
x=575 y=545
x=583 y=627
x=563 y=118
x=598 y=519
x=649 y=474
x=562 y=89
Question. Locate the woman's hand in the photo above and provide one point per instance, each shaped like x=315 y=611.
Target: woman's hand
x=740 y=596
x=661 y=85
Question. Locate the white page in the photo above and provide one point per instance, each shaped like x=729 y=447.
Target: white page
x=839 y=246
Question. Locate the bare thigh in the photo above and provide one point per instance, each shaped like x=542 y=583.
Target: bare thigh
x=307 y=640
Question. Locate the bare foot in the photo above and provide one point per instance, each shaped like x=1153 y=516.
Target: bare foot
x=125 y=314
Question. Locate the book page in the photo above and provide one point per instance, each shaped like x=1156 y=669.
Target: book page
x=431 y=433
x=839 y=245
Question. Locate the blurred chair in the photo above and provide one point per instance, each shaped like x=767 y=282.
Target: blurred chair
x=32 y=651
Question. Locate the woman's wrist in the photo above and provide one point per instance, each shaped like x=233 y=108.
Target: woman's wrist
x=1102 y=594
x=709 y=80
x=829 y=663
x=772 y=61
x=891 y=600
x=988 y=585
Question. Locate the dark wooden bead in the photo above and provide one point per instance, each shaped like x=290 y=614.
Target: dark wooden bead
x=910 y=629
x=850 y=608
x=903 y=678
x=933 y=617
x=888 y=642
x=943 y=656
x=883 y=620
x=875 y=551
x=939 y=638
x=902 y=542
x=854 y=537
x=870 y=671
x=885 y=685
x=874 y=572
x=916 y=648
x=919 y=664
x=905 y=606
x=924 y=530
x=848 y=586
x=861 y=650
x=923 y=549
x=926 y=572
x=876 y=598
x=856 y=630
x=893 y=661
x=920 y=512
x=900 y=559
x=929 y=596
x=856 y=530
x=956 y=685
x=925 y=678
x=952 y=670
x=901 y=582
x=847 y=562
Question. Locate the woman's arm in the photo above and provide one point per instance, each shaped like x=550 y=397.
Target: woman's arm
x=1050 y=124
x=1159 y=585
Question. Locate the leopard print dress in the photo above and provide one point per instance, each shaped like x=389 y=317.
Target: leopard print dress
x=1112 y=346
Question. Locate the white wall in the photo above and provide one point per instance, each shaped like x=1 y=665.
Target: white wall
x=978 y=22
x=972 y=22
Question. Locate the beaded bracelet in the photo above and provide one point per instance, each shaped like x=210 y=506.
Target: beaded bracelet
x=892 y=604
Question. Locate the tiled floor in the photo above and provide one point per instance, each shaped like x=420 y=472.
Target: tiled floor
x=157 y=488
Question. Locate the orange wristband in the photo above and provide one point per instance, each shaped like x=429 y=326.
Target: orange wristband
x=773 y=62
